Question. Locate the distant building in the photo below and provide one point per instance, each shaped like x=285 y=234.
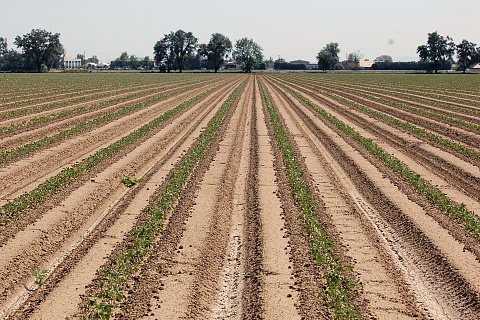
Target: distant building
x=366 y=64
x=233 y=65
x=67 y=62
x=306 y=63
x=312 y=66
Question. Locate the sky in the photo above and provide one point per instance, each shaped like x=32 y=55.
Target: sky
x=284 y=29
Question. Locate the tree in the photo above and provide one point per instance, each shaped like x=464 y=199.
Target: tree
x=175 y=48
x=328 y=56
x=145 y=63
x=437 y=50
x=3 y=51
x=355 y=57
x=163 y=53
x=217 y=50
x=384 y=58
x=133 y=62
x=248 y=52
x=269 y=63
x=93 y=59
x=43 y=47
x=468 y=54
x=184 y=45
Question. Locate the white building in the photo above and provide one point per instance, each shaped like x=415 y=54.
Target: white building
x=67 y=62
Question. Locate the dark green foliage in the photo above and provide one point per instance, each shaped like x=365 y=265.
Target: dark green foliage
x=43 y=47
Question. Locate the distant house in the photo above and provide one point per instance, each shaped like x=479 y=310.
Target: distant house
x=312 y=66
x=366 y=64
x=67 y=62
x=233 y=65
x=306 y=63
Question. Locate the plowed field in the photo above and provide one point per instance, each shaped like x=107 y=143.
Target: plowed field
x=232 y=196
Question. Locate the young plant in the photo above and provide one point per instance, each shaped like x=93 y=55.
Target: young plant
x=130 y=182
x=40 y=275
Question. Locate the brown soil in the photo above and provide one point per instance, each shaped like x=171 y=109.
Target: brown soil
x=234 y=247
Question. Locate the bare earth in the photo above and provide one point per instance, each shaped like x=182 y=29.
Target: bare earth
x=234 y=246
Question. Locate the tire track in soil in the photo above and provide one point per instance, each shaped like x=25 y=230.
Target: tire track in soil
x=215 y=269
x=280 y=293
x=200 y=229
x=386 y=295
x=430 y=256
x=308 y=281
x=88 y=204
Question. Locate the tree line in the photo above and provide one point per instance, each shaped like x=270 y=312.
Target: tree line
x=180 y=50
x=42 y=50
x=436 y=55
x=174 y=50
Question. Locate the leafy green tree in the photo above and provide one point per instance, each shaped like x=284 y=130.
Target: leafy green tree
x=468 y=54
x=269 y=63
x=217 y=50
x=43 y=47
x=163 y=53
x=437 y=50
x=328 y=57
x=355 y=57
x=383 y=58
x=3 y=51
x=133 y=62
x=184 y=45
x=93 y=59
x=175 y=49
x=145 y=63
x=248 y=52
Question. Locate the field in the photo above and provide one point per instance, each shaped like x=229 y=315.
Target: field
x=234 y=196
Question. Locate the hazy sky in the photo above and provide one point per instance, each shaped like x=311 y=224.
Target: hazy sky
x=288 y=29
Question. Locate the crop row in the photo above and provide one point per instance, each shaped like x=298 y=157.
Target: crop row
x=122 y=267
x=52 y=185
x=84 y=108
x=394 y=96
x=21 y=90
x=454 y=88
x=469 y=219
x=31 y=109
x=340 y=286
x=419 y=132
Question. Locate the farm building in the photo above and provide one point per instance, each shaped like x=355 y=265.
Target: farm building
x=366 y=64
x=67 y=62
x=233 y=65
x=306 y=63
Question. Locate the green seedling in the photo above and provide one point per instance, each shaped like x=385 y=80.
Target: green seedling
x=130 y=182
x=40 y=275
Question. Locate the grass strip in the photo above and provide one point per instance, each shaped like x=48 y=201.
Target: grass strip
x=68 y=175
x=340 y=287
x=122 y=267
x=13 y=154
x=422 y=186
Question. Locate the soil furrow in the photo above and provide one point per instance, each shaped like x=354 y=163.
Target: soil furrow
x=417 y=230
x=146 y=157
x=430 y=163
